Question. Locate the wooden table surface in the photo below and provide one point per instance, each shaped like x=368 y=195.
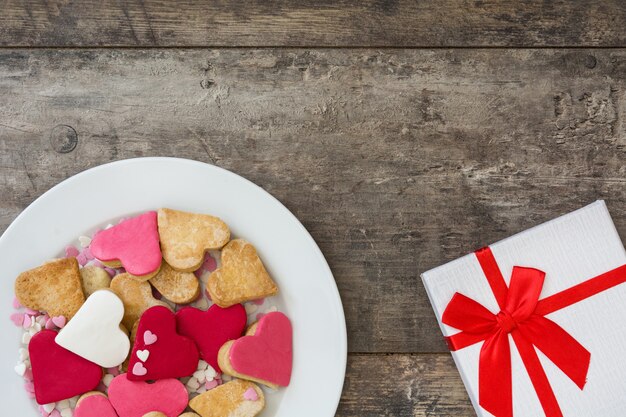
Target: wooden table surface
x=402 y=134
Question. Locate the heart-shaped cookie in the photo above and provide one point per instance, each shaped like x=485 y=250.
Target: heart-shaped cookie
x=178 y=287
x=159 y=352
x=264 y=355
x=138 y=398
x=241 y=277
x=59 y=374
x=94 y=333
x=133 y=244
x=54 y=287
x=94 y=278
x=94 y=404
x=234 y=399
x=136 y=296
x=186 y=236
x=212 y=328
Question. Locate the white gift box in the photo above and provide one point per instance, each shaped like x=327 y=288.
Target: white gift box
x=570 y=250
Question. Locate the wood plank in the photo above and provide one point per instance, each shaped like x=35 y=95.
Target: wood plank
x=396 y=161
x=403 y=385
x=329 y=23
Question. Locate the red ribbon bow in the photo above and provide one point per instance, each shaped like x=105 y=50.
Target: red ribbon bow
x=522 y=315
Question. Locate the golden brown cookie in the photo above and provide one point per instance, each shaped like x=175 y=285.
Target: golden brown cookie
x=132 y=336
x=136 y=296
x=133 y=333
x=93 y=279
x=54 y=287
x=185 y=237
x=178 y=287
x=241 y=277
x=155 y=414
x=234 y=399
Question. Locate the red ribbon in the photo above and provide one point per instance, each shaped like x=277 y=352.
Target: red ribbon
x=522 y=315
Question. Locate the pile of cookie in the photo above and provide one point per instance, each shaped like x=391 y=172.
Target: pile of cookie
x=126 y=316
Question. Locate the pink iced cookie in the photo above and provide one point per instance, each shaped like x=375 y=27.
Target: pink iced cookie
x=265 y=355
x=134 y=243
x=94 y=404
x=135 y=399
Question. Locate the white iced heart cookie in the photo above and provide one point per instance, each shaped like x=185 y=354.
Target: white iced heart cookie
x=94 y=332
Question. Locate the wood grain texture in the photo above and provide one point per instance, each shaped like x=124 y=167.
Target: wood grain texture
x=403 y=386
x=327 y=23
x=396 y=161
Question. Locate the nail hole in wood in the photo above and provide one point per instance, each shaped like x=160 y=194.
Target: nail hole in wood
x=63 y=138
x=206 y=84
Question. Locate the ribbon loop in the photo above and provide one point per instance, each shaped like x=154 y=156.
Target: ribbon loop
x=465 y=314
x=524 y=290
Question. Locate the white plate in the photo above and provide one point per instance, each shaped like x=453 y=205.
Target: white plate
x=308 y=294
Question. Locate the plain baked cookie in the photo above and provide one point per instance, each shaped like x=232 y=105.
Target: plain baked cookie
x=234 y=399
x=185 y=237
x=178 y=287
x=54 y=287
x=93 y=279
x=241 y=277
x=136 y=296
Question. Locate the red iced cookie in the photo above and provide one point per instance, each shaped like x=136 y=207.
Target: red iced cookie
x=59 y=374
x=212 y=328
x=159 y=352
x=133 y=242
